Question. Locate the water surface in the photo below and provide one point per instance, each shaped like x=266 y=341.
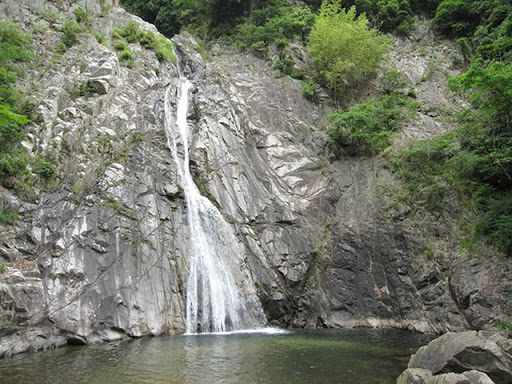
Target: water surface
x=357 y=356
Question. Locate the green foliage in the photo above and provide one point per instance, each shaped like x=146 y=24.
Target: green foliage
x=366 y=128
x=485 y=25
x=115 y=33
x=11 y=128
x=82 y=17
x=131 y=33
x=465 y=49
x=100 y=37
x=115 y=205
x=393 y=81
x=310 y=90
x=428 y=251
x=69 y=34
x=147 y=39
x=14 y=50
x=86 y=90
x=44 y=169
x=159 y=12
x=427 y=7
x=345 y=51
x=457 y=17
x=120 y=45
x=8 y=216
x=504 y=324
x=475 y=160
x=164 y=49
x=431 y=68
x=127 y=57
x=166 y=21
x=489 y=88
x=499 y=50
x=105 y=9
x=487 y=135
x=112 y=203
x=276 y=24
x=239 y=19
x=195 y=15
x=386 y=15
x=2 y=268
x=495 y=222
x=424 y=166
x=14 y=44
x=467 y=244
x=13 y=164
x=50 y=16
x=14 y=160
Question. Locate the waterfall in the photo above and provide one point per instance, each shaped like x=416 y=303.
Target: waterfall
x=220 y=293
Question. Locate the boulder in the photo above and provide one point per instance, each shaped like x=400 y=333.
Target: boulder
x=449 y=378
x=466 y=351
x=415 y=376
x=424 y=376
x=478 y=377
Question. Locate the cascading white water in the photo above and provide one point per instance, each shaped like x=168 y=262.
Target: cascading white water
x=220 y=294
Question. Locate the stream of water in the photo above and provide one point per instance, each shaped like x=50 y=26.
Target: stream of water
x=356 y=356
x=220 y=293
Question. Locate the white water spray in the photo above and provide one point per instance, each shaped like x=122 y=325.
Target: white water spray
x=220 y=294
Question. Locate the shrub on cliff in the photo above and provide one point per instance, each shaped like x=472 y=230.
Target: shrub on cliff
x=14 y=49
x=366 y=128
x=475 y=159
x=386 y=15
x=346 y=51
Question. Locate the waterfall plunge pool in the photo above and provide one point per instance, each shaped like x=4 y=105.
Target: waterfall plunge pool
x=350 y=356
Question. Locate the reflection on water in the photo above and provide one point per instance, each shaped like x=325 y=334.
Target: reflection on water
x=325 y=356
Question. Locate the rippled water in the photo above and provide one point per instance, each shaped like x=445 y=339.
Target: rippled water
x=326 y=356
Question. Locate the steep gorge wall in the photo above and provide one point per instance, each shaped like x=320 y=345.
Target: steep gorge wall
x=104 y=255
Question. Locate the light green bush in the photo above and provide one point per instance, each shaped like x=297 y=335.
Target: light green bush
x=346 y=52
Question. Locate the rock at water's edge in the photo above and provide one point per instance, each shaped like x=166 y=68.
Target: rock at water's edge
x=477 y=357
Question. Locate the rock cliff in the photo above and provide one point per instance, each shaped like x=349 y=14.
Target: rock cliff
x=103 y=255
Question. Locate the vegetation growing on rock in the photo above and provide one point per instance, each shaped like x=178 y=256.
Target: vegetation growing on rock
x=346 y=52
x=366 y=128
x=476 y=159
x=14 y=49
x=132 y=33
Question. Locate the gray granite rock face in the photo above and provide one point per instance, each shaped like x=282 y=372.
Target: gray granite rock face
x=104 y=255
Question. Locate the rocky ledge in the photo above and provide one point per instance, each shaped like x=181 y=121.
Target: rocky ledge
x=472 y=357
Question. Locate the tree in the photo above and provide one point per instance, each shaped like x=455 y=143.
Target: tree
x=457 y=17
x=345 y=51
x=385 y=15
